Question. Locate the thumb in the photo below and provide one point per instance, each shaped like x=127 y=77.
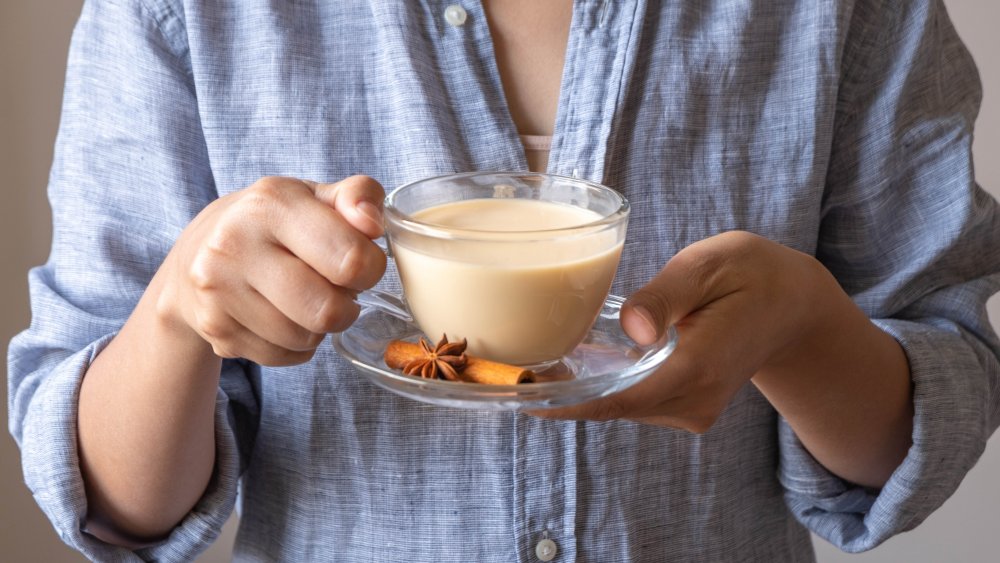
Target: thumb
x=674 y=293
x=358 y=199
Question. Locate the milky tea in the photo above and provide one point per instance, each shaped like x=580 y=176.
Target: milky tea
x=522 y=279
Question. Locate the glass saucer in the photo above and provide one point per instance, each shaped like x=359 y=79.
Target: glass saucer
x=606 y=362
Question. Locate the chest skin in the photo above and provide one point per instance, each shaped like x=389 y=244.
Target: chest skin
x=529 y=41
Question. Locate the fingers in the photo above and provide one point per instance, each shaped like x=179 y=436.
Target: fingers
x=696 y=412
x=358 y=199
x=266 y=272
x=689 y=391
x=230 y=339
x=317 y=233
x=720 y=295
x=696 y=276
x=303 y=297
x=273 y=319
x=221 y=316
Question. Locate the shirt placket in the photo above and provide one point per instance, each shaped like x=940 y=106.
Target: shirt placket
x=599 y=58
x=468 y=64
x=544 y=483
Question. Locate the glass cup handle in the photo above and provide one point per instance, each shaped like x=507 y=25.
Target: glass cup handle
x=385 y=302
x=383 y=243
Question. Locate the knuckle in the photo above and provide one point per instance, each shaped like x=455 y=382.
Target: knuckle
x=739 y=239
x=741 y=248
x=745 y=246
x=222 y=243
x=223 y=350
x=325 y=316
x=202 y=272
x=360 y=267
x=701 y=268
x=367 y=184
x=214 y=328
x=268 y=187
x=352 y=263
x=200 y=279
x=727 y=251
x=331 y=311
x=263 y=197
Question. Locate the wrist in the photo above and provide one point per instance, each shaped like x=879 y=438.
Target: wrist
x=168 y=317
x=817 y=310
x=843 y=385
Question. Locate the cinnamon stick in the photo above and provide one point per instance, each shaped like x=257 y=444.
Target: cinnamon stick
x=477 y=370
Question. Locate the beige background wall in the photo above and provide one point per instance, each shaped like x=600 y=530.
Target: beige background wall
x=33 y=42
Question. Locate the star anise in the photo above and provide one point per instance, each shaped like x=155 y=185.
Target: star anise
x=444 y=361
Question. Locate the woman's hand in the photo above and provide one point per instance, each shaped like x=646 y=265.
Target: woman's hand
x=260 y=274
x=738 y=302
x=748 y=309
x=266 y=272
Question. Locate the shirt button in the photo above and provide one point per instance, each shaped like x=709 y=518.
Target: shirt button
x=455 y=15
x=546 y=550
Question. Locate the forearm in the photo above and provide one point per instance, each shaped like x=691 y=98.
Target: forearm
x=844 y=387
x=146 y=425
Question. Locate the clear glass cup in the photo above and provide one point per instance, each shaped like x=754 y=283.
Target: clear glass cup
x=519 y=264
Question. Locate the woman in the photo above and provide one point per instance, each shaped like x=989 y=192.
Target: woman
x=804 y=212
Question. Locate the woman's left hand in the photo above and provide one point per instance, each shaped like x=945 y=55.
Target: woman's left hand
x=739 y=302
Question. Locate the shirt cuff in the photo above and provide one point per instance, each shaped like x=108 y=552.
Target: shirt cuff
x=950 y=428
x=52 y=472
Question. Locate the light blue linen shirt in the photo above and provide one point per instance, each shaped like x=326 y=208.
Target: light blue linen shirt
x=839 y=128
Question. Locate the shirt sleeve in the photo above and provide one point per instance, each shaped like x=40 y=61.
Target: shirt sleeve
x=130 y=172
x=916 y=243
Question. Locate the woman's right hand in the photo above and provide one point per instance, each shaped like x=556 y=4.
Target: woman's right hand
x=261 y=274
x=264 y=273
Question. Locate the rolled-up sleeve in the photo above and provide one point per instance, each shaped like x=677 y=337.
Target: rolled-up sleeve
x=130 y=171
x=916 y=242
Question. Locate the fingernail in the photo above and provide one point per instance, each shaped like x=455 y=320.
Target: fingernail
x=640 y=325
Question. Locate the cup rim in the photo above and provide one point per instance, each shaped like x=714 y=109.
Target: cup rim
x=394 y=215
